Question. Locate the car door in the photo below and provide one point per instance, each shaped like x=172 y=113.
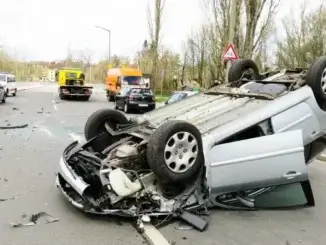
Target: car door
x=121 y=97
x=262 y=172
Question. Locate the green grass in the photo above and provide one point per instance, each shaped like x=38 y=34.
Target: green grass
x=161 y=98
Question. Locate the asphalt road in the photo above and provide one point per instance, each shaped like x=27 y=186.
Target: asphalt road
x=29 y=160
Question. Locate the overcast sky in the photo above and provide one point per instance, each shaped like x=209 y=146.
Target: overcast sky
x=43 y=29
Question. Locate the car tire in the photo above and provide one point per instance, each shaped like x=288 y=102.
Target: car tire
x=126 y=108
x=116 y=106
x=14 y=94
x=3 y=99
x=86 y=98
x=111 y=98
x=163 y=146
x=95 y=124
x=7 y=93
x=239 y=67
x=316 y=79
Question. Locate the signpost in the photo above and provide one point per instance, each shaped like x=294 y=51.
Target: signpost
x=230 y=53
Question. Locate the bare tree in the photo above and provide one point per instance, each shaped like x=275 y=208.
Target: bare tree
x=304 y=39
x=155 y=25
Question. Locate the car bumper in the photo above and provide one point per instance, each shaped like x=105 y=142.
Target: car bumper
x=142 y=106
x=68 y=174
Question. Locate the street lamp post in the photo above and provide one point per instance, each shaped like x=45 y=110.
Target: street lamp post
x=109 y=31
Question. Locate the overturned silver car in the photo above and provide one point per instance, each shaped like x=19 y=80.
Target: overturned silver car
x=229 y=147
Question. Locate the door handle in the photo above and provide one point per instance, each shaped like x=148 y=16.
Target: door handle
x=291 y=175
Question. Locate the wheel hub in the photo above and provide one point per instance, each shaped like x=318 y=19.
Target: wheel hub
x=180 y=152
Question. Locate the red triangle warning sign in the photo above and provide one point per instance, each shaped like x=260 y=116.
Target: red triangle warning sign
x=230 y=54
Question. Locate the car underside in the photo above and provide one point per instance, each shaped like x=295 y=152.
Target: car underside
x=184 y=158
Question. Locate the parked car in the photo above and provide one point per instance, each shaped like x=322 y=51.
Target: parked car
x=2 y=94
x=179 y=95
x=140 y=99
x=8 y=81
x=243 y=145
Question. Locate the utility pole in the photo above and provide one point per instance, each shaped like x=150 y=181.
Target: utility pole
x=109 y=31
x=231 y=33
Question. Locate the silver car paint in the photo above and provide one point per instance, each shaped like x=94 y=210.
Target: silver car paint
x=256 y=163
x=219 y=117
x=2 y=94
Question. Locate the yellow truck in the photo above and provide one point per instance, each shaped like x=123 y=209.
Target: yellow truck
x=71 y=83
x=119 y=78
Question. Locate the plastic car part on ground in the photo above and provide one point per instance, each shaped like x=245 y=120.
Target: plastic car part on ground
x=30 y=220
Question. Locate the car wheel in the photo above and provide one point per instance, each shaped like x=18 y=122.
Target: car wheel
x=7 y=93
x=244 y=68
x=14 y=94
x=175 y=151
x=96 y=124
x=4 y=99
x=86 y=98
x=116 y=106
x=110 y=98
x=316 y=79
x=126 y=108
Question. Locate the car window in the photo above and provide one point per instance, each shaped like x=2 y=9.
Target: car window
x=182 y=96
x=2 y=78
x=283 y=196
x=174 y=98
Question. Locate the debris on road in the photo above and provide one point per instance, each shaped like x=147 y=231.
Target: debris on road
x=15 y=109
x=42 y=111
x=13 y=127
x=32 y=219
x=6 y=199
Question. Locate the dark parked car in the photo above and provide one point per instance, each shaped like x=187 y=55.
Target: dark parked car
x=141 y=99
x=2 y=94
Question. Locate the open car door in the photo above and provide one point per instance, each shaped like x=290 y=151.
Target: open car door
x=262 y=172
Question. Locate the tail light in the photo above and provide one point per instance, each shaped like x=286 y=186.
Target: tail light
x=65 y=91
x=131 y=98
x=88 y=91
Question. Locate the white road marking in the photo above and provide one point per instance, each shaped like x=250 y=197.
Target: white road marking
x=55 y=107
x=76 y=137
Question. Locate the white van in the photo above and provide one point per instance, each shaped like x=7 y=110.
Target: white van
x=8 y=81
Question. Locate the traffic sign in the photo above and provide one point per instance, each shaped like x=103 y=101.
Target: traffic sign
x=230 y=53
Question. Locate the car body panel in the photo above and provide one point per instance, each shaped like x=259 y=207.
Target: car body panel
x=2 y=93
x=257 y=163
x=8 y=81
x=139 y=101
x=288 y=122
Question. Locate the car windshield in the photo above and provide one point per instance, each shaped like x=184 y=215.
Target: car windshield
x=174 y=98
x=132 y=80
x=2 y=78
